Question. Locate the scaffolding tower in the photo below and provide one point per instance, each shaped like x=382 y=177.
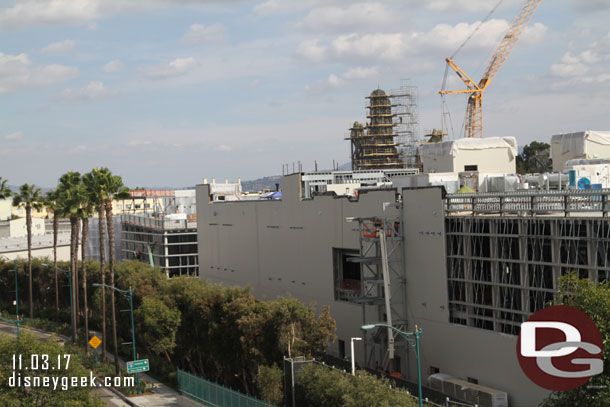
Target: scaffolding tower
x=405 y=115
x=373 y=145
x=383 y=285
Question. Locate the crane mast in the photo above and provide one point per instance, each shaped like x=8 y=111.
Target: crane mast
x=474 y=110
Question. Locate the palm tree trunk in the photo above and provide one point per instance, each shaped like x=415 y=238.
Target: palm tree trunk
x=110 y=222
x=84 y=266
x=55 y=233
x=76 y=292
x=28 y=222
x=73 y=249
x=102 y=233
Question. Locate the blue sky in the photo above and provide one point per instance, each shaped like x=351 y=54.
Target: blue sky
x=166 y=93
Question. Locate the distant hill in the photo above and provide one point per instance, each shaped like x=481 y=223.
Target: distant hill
x=261 y=184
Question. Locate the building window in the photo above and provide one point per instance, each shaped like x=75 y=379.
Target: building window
x=471 y=168
x=127 y=206
x=146 y=206
x=434 y=370
x=347 y=275
x=119 y=206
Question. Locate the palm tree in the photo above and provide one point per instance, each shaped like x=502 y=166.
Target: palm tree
x=95 y=182
x=87 y=209
x=114 y=190
x=29 y=197
x=53 y=204
x=5 y=192
x=70 y=191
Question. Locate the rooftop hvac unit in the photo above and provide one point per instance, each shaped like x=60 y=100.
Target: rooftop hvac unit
x=468 y=392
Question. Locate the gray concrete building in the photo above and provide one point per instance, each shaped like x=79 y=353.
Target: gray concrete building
x=468 y=269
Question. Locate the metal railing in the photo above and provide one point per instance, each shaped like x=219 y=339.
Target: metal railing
x=530 y=202
x=161 y=224
x=212 y=394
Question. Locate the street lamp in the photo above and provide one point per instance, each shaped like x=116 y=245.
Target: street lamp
x=353 y=359
x=17 y=320
x=407 y=336
x=133 y=332
x=72 y=316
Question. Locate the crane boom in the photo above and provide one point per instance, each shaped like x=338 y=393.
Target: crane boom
x=474 y=111
x=510 y=40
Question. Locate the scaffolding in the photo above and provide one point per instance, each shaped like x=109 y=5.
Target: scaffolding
x=373 y=146
x=382 y=287
x=405 y=120
x=502 y=269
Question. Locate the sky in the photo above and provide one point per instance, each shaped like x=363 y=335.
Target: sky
x=167 y=93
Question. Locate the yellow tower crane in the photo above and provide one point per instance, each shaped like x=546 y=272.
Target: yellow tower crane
x=474 y=112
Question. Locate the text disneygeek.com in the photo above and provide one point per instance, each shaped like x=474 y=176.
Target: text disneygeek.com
x=68 y=382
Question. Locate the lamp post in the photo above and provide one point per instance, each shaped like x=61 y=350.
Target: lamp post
x=407 y=336
x=72 y=316
x=133 y=332
x=353 y=358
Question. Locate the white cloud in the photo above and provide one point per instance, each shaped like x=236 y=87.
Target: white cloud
x=310 y=50
x=26 y=13
x=356 y=16
x=112 y=66
x=198 y=33
x=463 y=5
x=91 y=91
x=588 y=67
x=335 y=81
x=399 y=45
x=18 y=135
x=223 y=148
x=59 y=47
x=592 y=5
x=266 y=8
x=177 y=67
x=48 y=12
x=382 y=46
x=16 y=73
x=360 y=72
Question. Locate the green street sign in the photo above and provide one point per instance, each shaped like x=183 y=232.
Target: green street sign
x=137 y=366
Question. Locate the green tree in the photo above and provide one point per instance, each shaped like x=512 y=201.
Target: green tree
x=158 y=326
x=53 y=205
x=29 y=197
x=535 y=158
x=321 y=386
x=114 y=189
x=17 y=395
x=96 y=185
x=5 y=192
x=71 y=195
x=87 y=206
x=594 y=300
x=269 y=383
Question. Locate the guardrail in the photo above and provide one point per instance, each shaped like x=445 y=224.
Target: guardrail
x=212 y=394
x=161 y=224
x=530 y=202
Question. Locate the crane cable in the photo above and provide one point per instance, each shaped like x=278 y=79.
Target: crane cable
x=493 y=10
x=444 y=84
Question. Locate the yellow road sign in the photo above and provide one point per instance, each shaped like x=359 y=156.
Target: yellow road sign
x=95 y=342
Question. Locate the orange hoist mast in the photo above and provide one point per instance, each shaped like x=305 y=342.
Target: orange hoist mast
x=474 y=112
